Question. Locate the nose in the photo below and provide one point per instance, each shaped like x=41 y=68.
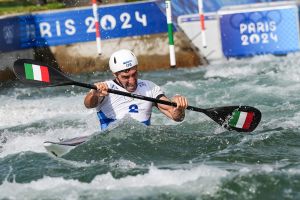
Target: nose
x=131 y=80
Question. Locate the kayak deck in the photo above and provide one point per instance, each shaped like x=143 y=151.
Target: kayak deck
x=62 y=147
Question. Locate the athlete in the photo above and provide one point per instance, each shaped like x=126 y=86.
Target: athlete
x=111 y=107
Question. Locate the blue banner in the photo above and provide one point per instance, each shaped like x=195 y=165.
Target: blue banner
x=250 y=33
x=72 y=26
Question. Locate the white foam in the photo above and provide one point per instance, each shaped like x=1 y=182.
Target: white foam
x=29 y=142
x=180 y=84
x=198 y=180
x=234 y=72
x=18 y=112
x=20 y=144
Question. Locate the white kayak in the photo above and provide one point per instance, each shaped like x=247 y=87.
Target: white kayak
x=63 y=146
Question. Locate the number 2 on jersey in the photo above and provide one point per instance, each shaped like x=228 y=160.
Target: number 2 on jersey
x=133 y=108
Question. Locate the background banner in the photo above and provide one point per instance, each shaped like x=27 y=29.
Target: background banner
x=73 y=26
x=274 y=31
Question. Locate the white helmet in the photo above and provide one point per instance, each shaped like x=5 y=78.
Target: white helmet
x=122 y=60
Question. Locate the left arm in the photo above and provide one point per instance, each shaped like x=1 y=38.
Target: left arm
x=175 y=113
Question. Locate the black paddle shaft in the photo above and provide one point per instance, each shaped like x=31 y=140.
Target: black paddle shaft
x=136 y=96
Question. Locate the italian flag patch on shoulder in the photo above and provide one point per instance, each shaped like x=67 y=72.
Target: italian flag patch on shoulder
x=36 y=72
x=241 y=119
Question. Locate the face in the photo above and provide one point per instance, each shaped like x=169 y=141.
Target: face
x=128 y=78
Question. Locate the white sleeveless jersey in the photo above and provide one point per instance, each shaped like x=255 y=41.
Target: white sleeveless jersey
x=114 y=107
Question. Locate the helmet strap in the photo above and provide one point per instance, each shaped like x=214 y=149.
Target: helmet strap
x=118 y=81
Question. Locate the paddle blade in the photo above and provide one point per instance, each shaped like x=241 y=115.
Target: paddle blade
x=38 y=74
x=238 y=118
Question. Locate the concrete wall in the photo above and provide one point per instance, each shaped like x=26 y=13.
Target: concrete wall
x=152 y=52
x=7 y=60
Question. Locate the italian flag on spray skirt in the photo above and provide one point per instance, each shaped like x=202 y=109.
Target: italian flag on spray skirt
x=36 y=72
x=241 y=119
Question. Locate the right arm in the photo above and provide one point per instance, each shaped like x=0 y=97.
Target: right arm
x=93 y=97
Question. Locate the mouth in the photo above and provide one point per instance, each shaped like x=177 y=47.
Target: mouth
x=131 y=88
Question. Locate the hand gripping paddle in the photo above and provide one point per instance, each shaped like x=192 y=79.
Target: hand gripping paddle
x=238 y=118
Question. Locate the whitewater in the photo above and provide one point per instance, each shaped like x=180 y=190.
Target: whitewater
x=194 y=159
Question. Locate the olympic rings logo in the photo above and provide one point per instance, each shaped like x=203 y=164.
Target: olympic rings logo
x=254 y=17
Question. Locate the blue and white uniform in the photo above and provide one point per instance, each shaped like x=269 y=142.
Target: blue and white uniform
x=114 y=107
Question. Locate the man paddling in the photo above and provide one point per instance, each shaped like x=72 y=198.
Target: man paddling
x=111 y=107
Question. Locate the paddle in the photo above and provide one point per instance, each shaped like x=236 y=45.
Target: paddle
x=238 y=118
